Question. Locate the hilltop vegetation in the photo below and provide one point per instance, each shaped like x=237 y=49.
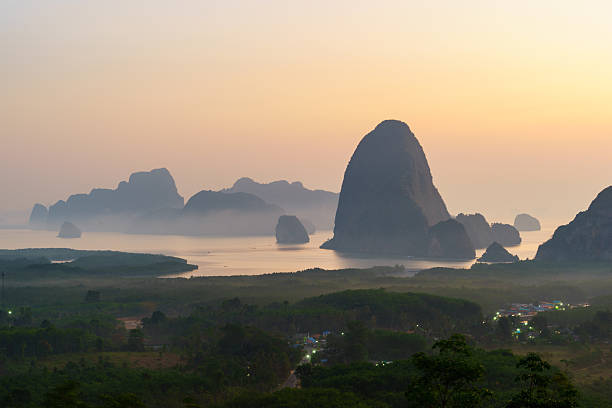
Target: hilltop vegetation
x=202 y=337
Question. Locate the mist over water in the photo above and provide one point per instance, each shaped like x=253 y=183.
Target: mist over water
x=226 y=256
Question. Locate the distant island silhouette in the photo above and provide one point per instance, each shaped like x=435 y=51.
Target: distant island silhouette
x=315 y=206
x=69 y=230
x=484 y=234
x=149 y=203
x=111 y=210
x=526 y=222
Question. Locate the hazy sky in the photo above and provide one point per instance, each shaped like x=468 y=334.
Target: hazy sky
x=512 y=101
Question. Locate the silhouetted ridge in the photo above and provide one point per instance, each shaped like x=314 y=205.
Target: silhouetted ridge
x=108 y=209
x=213 y=213
x=318 y=206
x=587 y=238
x=211 y=201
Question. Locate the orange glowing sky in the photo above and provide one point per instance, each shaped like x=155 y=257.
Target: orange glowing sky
x=512 y=101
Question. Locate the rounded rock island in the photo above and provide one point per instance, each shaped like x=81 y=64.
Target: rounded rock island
x=289 y=230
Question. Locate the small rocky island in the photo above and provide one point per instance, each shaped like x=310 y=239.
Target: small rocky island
x=496 y=253
x=525 y=222
x=505 y=234
x=289 y=230
x=69 y=230
x=482 y=234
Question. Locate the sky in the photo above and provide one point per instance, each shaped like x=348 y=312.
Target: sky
x=510 y=100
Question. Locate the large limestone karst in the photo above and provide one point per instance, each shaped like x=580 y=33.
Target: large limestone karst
x=587 y=238
x=526 y=222
x=289 y=230
x=38 y=216
x=144 y=191
x=388 y=201
x=111 y=210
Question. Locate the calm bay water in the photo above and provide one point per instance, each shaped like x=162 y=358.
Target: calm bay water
x=240 y=255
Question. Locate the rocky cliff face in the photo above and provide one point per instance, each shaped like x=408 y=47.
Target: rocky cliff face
x=525 y=222
x=477 y=228
x=587 y=238
x=38 y=216
x=388 y=201
x=289 y=230
x=496 y=253
x=111 y=210
x=145 y=191
x=448 y=239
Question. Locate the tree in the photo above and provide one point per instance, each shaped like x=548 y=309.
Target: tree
x=356 y=338
x=158 y=317
x=543 y=388
x=45 y=324
x=17 y=398
x=124 y=400
x=540 y=323
x=92 y=296
x=64 y=396
x=136 y=340
x=24 y=318
x=448 y=377
x=504 y=328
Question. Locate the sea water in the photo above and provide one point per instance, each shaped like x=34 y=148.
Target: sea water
x=243 y=255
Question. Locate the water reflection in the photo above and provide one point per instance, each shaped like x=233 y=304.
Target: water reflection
x=243 y=255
